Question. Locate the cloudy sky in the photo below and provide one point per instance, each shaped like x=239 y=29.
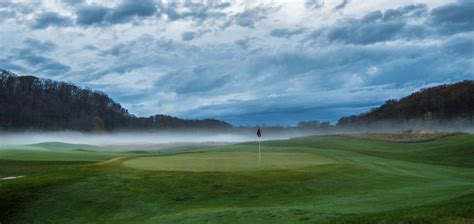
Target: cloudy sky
x=245 y=62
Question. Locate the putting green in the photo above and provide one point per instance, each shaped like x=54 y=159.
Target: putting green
x=228 y=161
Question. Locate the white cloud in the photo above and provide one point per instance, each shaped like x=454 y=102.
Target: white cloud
x=234 y=65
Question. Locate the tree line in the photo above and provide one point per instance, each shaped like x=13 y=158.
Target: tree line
x=444 y=106
x=31 y=103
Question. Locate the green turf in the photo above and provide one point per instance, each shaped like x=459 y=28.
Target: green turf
x=327 y=179
x=228 y=161
x=37 y=155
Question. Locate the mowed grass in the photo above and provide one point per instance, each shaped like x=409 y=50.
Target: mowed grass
x=37 y=155
x=54 y=151
x=325 y=179
x=228 y=161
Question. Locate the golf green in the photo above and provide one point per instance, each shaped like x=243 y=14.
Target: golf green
x=317 y=179
x=228 y=161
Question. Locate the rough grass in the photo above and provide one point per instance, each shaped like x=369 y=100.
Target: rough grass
x=368 y=182
x=402 y=137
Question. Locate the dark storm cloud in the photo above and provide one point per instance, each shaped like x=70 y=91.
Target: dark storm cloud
x=187 y=36
x=285 y=32
x=198 y=79
x=365 y=32
x=196 y=11
x=38 y=63
x=342 y=5
x=118 y=50
x=91 y=14
x=129 y=9
x=250 y=17
x=15 y=10
x=145 y=51
x=221 y=5
x=47 y=19
x=377 y=26
x=90 y=47
x=94 y=73
x=48 y=66
x=454 y=18
x=38 y=46
x=417 y=10
x=32 y=58
x=7 y=64
x=202 y=85
x=126 y=11
x=73 y=2
x=397 y=64
x=244 y=43
x=314 y=4
x=394 y=24
x=460 y=46
x=293 y=63
x=411 y=63
x=7 y=14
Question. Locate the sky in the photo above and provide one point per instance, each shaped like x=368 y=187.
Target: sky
x=244 y=62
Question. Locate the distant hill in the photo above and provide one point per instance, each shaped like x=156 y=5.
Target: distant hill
x=31 y=103
x=435 y=105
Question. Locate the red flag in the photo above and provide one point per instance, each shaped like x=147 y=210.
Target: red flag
x=259 y=134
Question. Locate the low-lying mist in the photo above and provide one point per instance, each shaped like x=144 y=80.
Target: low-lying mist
x=234 y=135
x=134 y=138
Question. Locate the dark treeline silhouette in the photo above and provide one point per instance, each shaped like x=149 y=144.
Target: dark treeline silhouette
x=442 y=106
x=30 y=103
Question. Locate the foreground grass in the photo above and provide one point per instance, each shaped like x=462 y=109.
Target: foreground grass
x=361 y=181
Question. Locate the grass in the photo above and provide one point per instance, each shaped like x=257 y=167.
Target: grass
x=326 y=179
x=73 y=155
x=227 y=161
x=404 y=137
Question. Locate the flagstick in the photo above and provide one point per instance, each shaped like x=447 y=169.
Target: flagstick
x=259 y=154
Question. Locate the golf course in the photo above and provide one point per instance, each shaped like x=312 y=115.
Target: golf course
x=316 y=179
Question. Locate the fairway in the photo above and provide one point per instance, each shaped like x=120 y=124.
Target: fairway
x=228 y=161
x=318 y=179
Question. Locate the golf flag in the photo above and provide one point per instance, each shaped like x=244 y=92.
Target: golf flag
x=259 y=134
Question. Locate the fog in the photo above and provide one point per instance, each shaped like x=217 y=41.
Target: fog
x=134 y=138
x=235 y=135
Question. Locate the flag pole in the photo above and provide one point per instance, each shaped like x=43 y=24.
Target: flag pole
x=259 y=154
x=259 y=134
